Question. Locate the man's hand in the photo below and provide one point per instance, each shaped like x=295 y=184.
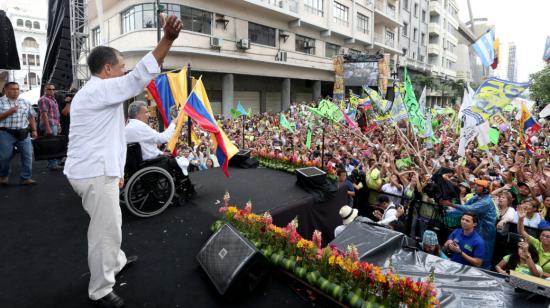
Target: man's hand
x=454 y=247
x=121 y=183
x=521 y=213
x=13 y=110
x=172 y=27
x=377 y=214
x=34 y=135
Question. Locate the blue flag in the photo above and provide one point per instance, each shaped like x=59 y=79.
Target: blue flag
x=241 y=110
x=484 y=48
x=546 y=56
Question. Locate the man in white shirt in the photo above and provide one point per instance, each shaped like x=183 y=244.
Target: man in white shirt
x=390 y=211
x=97 y=153
x=137 y=130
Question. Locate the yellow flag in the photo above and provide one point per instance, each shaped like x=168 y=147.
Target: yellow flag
x=178 y=85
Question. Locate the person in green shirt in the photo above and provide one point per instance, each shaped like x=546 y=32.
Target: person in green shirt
x=542 y=245
x=524 y=260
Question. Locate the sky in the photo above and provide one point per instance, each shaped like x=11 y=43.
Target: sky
x=525 y=22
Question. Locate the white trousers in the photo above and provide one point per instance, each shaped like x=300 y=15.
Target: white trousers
x=100 y=199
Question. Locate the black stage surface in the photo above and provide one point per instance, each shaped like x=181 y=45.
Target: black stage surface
x=43 y=252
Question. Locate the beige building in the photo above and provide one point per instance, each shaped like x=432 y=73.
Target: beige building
x=262 y=53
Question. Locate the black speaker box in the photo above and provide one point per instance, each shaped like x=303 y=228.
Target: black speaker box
x=50 y=147
x=311 y=177
x=232 y=263
x=243 y=160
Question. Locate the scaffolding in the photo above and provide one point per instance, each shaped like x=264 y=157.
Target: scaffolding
x=79 y=42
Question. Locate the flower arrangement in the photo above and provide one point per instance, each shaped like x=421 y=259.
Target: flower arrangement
x=339 y=274
x=290 y=163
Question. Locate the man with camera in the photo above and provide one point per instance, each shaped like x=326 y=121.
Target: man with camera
x=16 y=114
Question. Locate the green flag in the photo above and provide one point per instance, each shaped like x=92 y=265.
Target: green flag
x=328 y=110
x=285 y=124
x=413 y=108
x=308 y=139
x=234 y=113
x=494 y=134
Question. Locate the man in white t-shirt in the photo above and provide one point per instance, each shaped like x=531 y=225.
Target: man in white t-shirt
x=390 y=211
x=96 y=154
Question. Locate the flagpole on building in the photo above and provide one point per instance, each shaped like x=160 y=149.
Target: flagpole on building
x=189 y=87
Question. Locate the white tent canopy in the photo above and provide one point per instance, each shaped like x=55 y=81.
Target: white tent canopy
x=32 y=95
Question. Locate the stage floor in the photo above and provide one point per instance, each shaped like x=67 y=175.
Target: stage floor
x=43 y=252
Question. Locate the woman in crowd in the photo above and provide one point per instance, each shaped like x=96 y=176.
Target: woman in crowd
x=523 y=260
x=542 y=244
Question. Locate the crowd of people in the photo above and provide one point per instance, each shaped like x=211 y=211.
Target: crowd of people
x=485 y=195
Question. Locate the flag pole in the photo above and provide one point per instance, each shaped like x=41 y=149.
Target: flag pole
x=243 y=117
x=189 y=89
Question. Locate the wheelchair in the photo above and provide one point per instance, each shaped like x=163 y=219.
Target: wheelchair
x=150 y=186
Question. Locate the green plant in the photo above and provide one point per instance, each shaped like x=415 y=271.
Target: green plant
x=540 y=85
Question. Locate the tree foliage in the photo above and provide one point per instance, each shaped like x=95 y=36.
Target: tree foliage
x=540 y=85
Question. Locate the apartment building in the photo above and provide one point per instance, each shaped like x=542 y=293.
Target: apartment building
x=264 y=54
x=30 y=37
x=442 y=45
x=413 y=39
x=507 y=65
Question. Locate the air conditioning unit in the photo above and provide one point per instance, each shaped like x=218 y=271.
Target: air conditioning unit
x=216 y=42
x=281 y=56
x=243 y=44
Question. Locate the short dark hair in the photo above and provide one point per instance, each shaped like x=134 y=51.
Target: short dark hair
x=9 y=84
x=382 y=199
x=340 y=171
x=101 y=55
x=474 y=216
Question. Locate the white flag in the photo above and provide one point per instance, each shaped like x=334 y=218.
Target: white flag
x=422 y=102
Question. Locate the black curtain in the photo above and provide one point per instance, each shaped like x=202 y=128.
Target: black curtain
x=57 y=64
x=9 y=58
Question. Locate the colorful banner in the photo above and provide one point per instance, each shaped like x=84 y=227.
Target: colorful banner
x=528 y=127
x=339 y=90
x=493 y=96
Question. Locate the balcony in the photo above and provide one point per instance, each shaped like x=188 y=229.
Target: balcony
x=434 y=28
x=434 y=49
x=386 y=13
x=450 y=55
x=387 y=43
x=288 y=8
x=435 y=8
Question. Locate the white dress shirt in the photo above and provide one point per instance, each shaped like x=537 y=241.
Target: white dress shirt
x=390 y=214
x=148 y=138
x=97 y=145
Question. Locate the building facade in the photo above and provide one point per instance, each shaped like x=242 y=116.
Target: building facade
x=413 y=38
x=507 y=64
x=30 y=36
x=264 y=54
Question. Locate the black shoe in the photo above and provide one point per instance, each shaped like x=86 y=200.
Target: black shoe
x=129 y=261
x=110 y=300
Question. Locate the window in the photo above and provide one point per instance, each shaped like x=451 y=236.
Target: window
x=196 y=20
x=405 y=29
x=305 y=44
x=422 y=59
x=314 y=6
x=414 y=55
x=415 y=34
x=96 y=36
x=28 y=24
x=390 y=38
x=354 y=51
x=406 y=4
x=424 y=16
x=416 y=10
x=29 y=42
x=20 y=22
x=423 y=38
x=36 y=25
x=362 y=23
x=340 y=14
x=24 y=58
x=140 y=16
x=129 y=20
x=37 y=60
x=30 y=58
x=331 y=50
x=261 y=34
x=32 y=77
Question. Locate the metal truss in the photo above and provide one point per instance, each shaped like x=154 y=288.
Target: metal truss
x=79 y=42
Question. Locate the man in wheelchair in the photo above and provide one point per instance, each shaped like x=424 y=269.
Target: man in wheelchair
x=137 y=130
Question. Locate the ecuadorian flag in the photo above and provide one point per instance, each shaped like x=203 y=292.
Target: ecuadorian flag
x=528 y=127
x=199 y=109
x=169 y=90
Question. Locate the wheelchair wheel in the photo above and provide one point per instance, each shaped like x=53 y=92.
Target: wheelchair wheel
x=149 y=191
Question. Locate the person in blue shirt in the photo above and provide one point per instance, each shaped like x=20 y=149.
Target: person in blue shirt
x=343 y=178
x=483 y=207
x=465 y=244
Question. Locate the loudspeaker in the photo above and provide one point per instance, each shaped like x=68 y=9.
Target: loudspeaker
x=311 y=177
x=50 y=147
x=243 y=160
x=232 y=263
